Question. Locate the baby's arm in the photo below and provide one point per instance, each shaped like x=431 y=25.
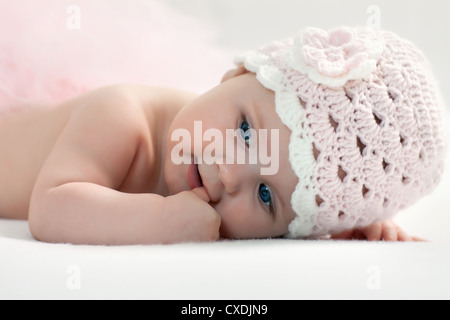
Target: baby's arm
x=75 y=199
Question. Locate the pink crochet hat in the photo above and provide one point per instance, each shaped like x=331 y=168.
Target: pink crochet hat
x=367 y=139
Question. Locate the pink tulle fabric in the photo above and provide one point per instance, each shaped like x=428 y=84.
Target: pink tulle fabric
x=52 y=50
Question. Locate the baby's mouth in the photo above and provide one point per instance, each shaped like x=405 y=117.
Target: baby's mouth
x=199 y=175
x=194 y=177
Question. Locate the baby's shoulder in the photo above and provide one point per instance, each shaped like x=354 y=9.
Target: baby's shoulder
x=156 y=99
x=111 y=106
x=136 y=108
x=156 y=105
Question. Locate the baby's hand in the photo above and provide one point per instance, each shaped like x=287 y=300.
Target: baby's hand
x=195 y=219
x=383 y=231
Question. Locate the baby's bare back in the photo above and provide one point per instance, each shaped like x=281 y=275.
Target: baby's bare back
x=26 y=139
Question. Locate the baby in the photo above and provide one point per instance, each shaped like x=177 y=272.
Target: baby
x=343 y=127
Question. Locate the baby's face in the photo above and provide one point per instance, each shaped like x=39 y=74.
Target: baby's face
x=251 y=204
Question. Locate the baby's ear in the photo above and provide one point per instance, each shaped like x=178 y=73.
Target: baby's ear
x=234 y=73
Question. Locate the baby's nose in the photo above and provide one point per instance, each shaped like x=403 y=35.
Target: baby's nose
x=228 y=178
x=219 y=179
x=234 y=177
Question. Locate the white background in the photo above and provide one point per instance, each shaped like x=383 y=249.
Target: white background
x=246 y=24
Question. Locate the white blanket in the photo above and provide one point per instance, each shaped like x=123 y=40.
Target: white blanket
x=255 y=269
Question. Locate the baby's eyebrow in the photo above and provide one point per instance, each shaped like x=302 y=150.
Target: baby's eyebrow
x=259 y=119
x=280 y=203
x=256 y=115
x=277 y=204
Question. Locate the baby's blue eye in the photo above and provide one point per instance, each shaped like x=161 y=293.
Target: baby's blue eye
x=264 y=194
x=245 y=130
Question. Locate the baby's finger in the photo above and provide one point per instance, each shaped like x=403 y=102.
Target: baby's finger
x=417 y=239
x=373 y=232
x=403 y=236
x=346 y=235
x=201 y=193
x=389 y=232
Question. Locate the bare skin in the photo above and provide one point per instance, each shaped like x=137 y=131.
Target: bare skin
x=95 y=170
x=386 y=231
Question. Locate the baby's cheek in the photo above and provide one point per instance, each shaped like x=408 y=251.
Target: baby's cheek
x=233 y=224
x=244 y=224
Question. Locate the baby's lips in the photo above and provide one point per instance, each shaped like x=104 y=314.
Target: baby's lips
x=201 y=193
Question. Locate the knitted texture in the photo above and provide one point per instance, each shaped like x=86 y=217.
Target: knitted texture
x=367 y=139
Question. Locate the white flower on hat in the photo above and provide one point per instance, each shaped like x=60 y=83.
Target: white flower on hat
x=332 y=58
